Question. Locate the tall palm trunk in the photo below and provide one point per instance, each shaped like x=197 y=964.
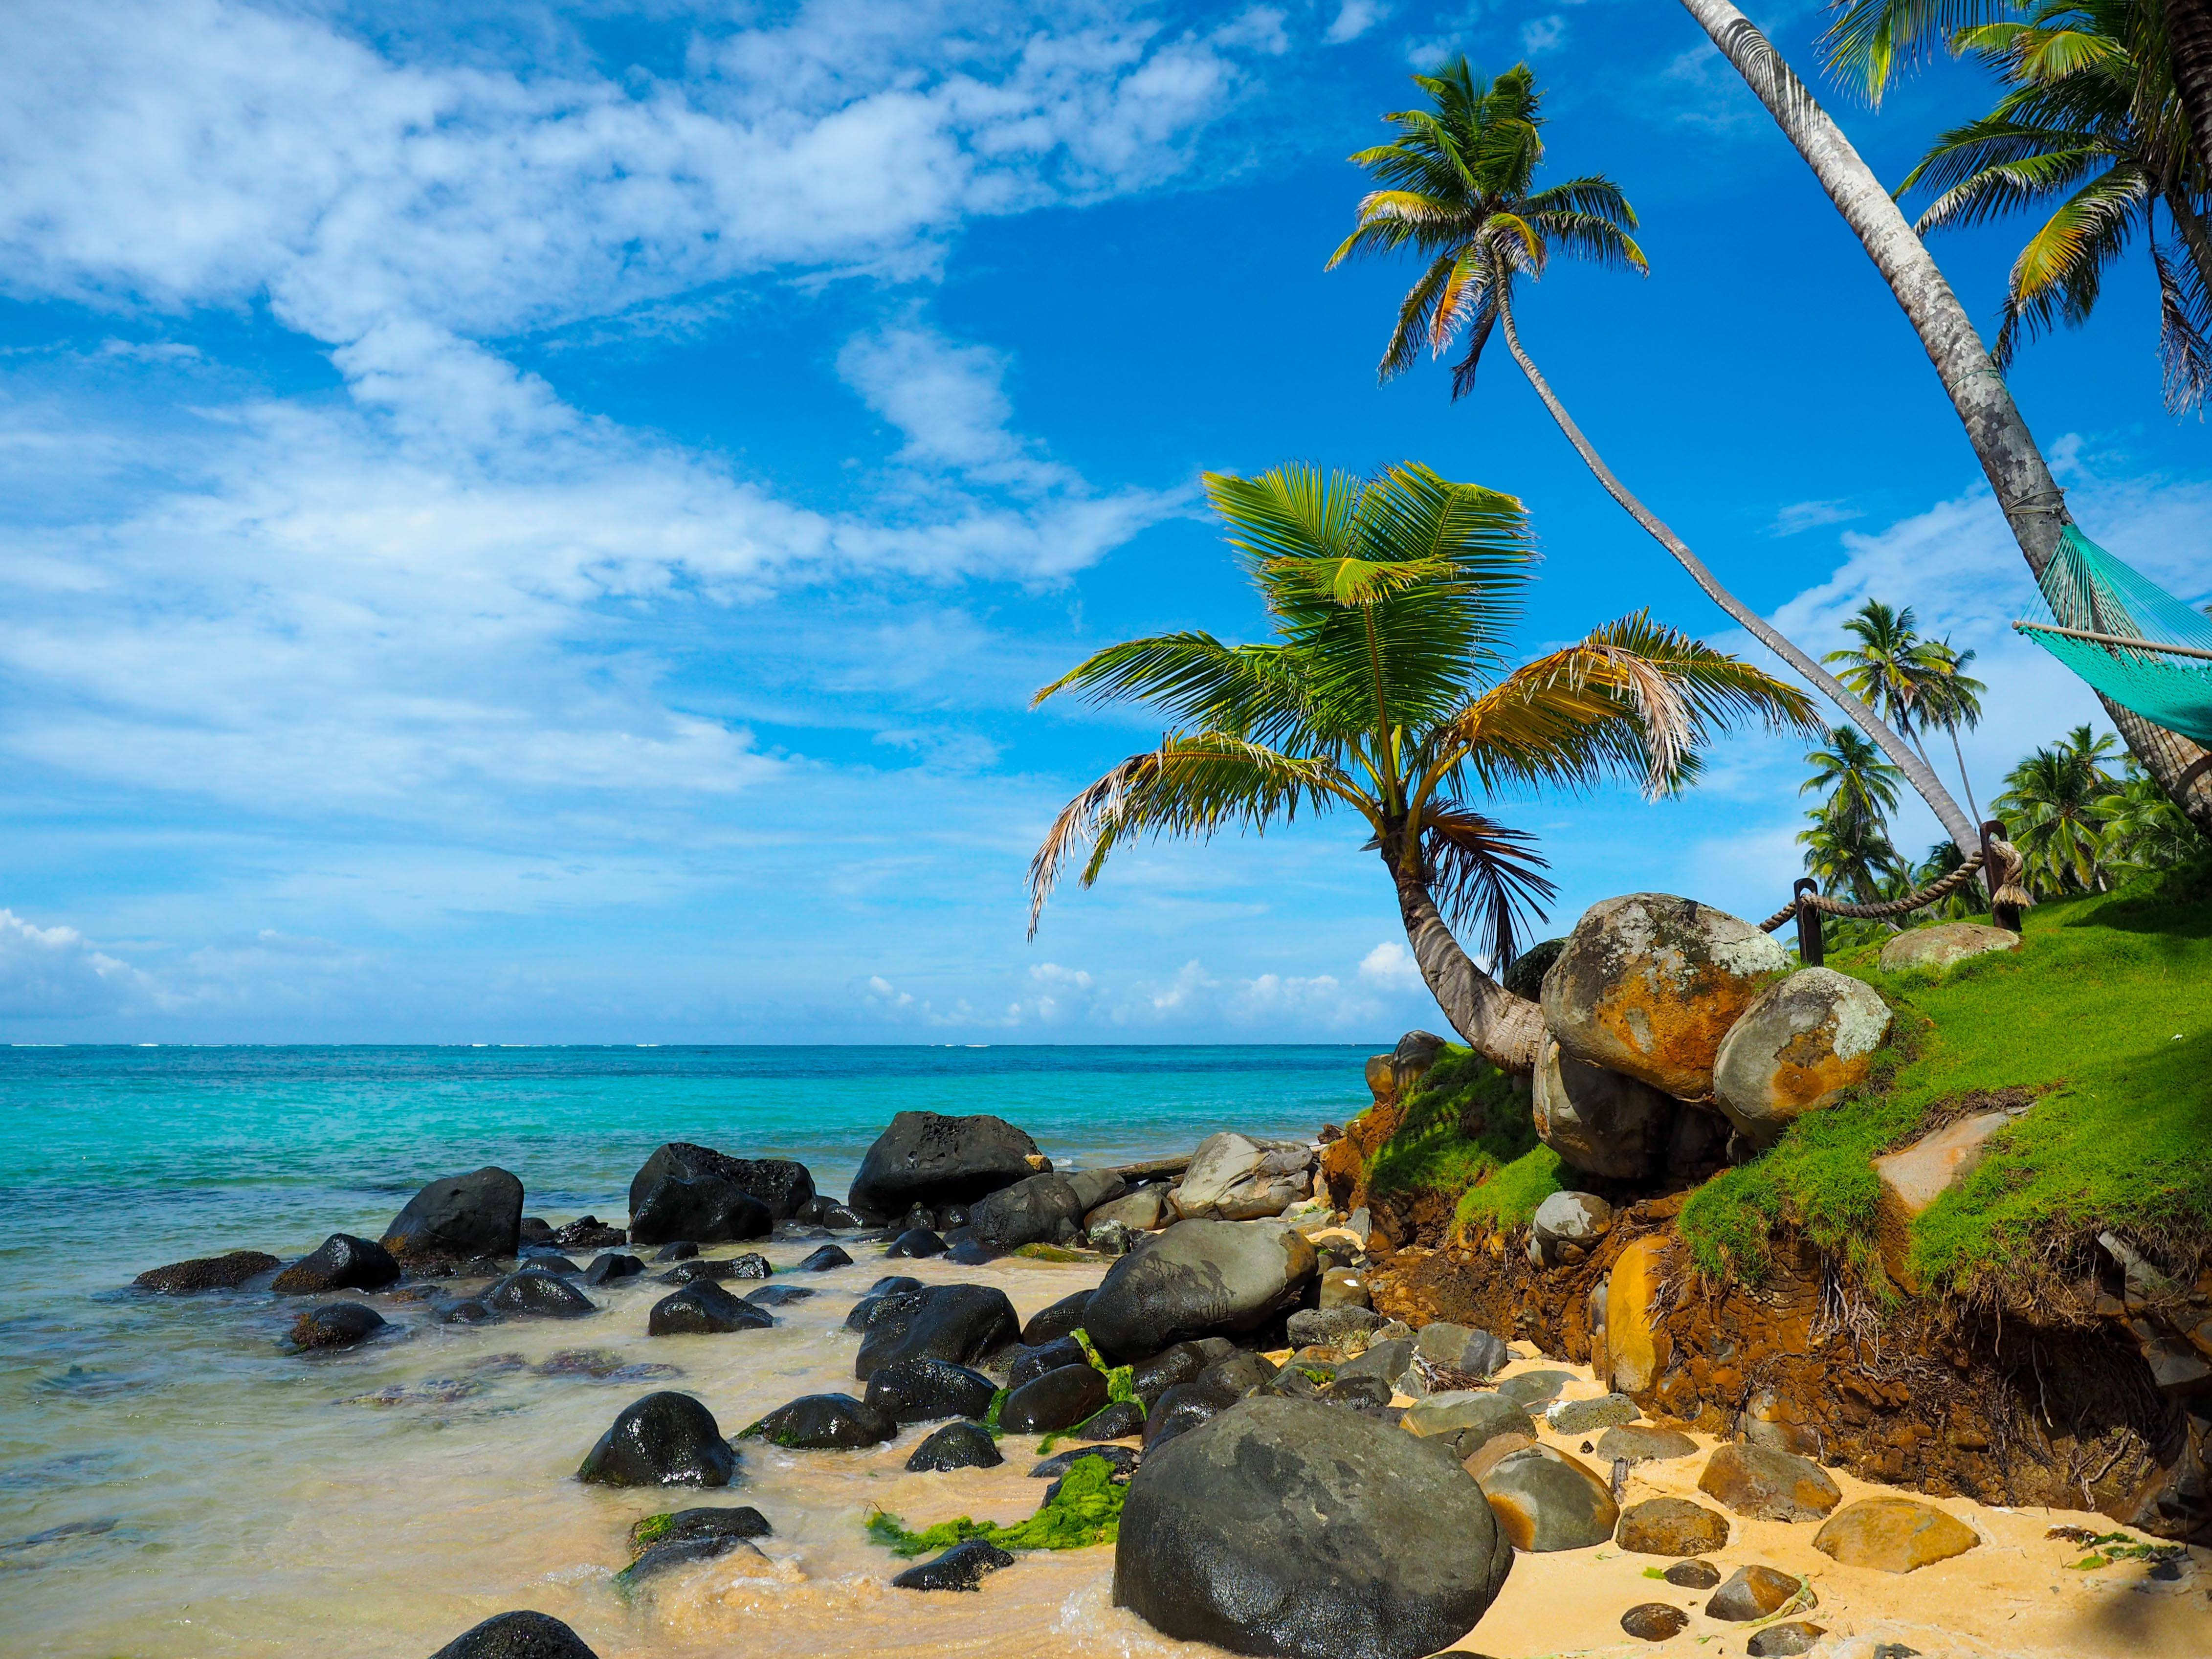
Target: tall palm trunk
x=2033 y=505
x=1504 y=1029
x=1917 y=770
x=2189 y=43
x=1965 y=783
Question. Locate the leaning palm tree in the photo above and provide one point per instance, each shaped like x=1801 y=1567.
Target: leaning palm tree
x=2033 y=505
x=1457 y=185
x=1385 y=693
x=2074 y=134
x=2052 y=806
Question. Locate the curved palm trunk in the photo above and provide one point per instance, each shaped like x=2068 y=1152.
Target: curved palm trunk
x=1965 y=783
x=2033 y=505
x=1504 y=1030
x=1917 y=772
x=2188 y=41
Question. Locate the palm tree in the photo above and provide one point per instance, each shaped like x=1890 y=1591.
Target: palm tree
x=1850 y=852
x=1458 y=185
x=1916 y=682
x=2074 y=129
x=1860 y=784
x=1952 y=698
x=2033 y=505
x=2051 y=805
x=2143 y=829
x=1384 y=692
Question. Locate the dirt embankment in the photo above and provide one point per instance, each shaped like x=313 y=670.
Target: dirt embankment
x=1930 y=1396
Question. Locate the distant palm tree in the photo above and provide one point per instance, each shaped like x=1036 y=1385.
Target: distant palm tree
x=1457 y=185
x=2081 y=130
x=1861 y=785
x=1385 y=692
x=2142 y=829
x=1916 y=682
x=1849 y=851
x=1951 y=699
x=2052 y=811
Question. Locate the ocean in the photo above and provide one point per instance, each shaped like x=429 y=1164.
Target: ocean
x=172 y=1483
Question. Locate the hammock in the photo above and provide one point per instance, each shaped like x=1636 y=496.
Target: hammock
x=2127 y=636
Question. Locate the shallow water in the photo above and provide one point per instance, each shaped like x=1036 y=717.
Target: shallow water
x=232 y=1500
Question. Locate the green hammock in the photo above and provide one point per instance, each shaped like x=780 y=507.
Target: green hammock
x=2127 y=636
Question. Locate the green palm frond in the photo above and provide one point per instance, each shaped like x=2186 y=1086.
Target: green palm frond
x=1870 y=40
x=1485 y=875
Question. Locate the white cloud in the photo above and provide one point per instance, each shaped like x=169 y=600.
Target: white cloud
x=1541 y=35
x=1391 y=967
x=56 y=973
x=1353 y=19
x=1801 y=516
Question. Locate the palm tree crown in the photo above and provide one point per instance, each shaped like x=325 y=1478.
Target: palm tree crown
x=2052 y=804
x=1918 y=684
x=1860 y=784
x=1385 y=692
x=1457 y=184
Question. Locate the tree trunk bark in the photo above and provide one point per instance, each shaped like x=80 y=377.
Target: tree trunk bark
x=1917 y=772
x=1504 y=1030
x=2189 y=44
x=1965 y=783
x=2033 y=505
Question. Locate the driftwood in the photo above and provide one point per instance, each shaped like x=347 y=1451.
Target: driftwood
x=1153 y=1167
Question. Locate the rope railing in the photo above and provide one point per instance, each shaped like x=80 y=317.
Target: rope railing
x=1808 y=904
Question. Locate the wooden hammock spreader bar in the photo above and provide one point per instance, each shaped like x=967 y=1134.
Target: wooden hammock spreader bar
x=2121 y=640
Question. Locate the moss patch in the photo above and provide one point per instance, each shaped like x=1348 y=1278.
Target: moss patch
x=1509 y=1197
x=2105 y=1014
x=1467 y=1133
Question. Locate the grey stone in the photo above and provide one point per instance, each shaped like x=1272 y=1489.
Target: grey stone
x=1465 y=1420
x=1234 y=1177
x=1545 y=1500
x=1599 y=1122
x=1326 y=1327
x=1443 y=1346
x=1140 y=1211
x=1796 y=1048
x=1588 y=1416
x=1644 y=1445
x=1198 y=1279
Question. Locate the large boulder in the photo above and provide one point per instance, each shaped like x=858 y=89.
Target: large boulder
x=1649 y=984
x=1199 y=1278
x=1058 y=1399
x=665 y=1439
x=1938 y=949
x=1768 y=1485
x=959 y=1322
x=1234 y=1178
x=517 y=1636
x=1286 y=1527
x=704 y=1209
x=1602 y=1122
x=206 y=1273
x=1635 y=1343
x=925 y=1157
x=928 y=1390
x=1796 y=1048
x=1892 y=1534
x=1040 y=1209
x=1545 y=1500
x=460 y=1216
x=781 y=1183
x=340 y=1262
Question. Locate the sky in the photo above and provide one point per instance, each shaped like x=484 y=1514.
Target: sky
x=541 y=524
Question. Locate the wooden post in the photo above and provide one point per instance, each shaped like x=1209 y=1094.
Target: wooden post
x=2003 y=915
x=1809 y=949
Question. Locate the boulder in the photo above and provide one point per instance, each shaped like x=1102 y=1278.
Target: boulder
x=1892 y=1534
x=928 y=1159
x=517 y=1636
x=1345 y=1287
x=704 y=1308
x=926 y=1391
x=1648 y=985
x=534 y=1294
x=1796 y=1048
x=1673 y=1526
x=1459 y=1350
x=1185 y=1406
x=1094 y=1188
x=612 y=1267
x=1767 y=1485
x=1643 y=1445
x=685 y=1526
x=1602 y=1122
x=682 y=1249
x=546 y=1259
x=1325 y=1327
x=1119 y=1458
x=823 y=1422
x=1051 y=1323
x=1184 y=1362
x=460 y=1216
x=774 y=1296
x=1589 y=1416
x=335 y=1325
x=340 y=1262
x=705 y=1211
x=665 y=1439
x=206 y=1273
x=1534 y=1388
x=673 y=1552
x=588 y=1233
x=780 y=1184
x=1693 y=1575
x=1234 y=1178
x=1545 y=1500
x=916 y=1242
x=1282 y=1527
x=1387 y=1361
x=536 y=1230
x=1913 y=1177
x=822 y=1260
x=1140 y=1211
x=1755 y=1592
x=1654 y=1621
x=960 y=1568
x=1058 y=1399
x=1524 y=975
x=959 y=1445
x=1790 y=1638
x=1937 y=949
x=959 y=1322
x=1465 y=1420
x=1026 y=1365
x=1040 y=1209
x=1572 y=1218
x=1124 y=1419
x=1636 y=1347
x=1198 y=1278
x=1495 y=1450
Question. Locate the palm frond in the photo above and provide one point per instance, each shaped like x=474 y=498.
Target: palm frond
x=1868 y=41
x=1485 y=875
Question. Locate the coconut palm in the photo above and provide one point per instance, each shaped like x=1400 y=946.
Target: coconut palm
x=1457 y=185
x=1385 y=693
x=1916 y=683
x=1849 y=852
x=1859 y=783
x=1950 y=698
x=2142 y=829
x=2051 y=807
x=2034 y=508
x=2075 y=133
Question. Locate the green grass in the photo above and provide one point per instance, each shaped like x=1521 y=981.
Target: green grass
x=1467 y=1133
x=2105 y=1014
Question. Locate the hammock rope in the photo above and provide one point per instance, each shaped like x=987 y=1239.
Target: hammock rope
x=2129 y=638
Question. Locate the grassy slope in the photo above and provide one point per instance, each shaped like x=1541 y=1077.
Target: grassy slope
x=2108 y=1008
x=1467 y=1133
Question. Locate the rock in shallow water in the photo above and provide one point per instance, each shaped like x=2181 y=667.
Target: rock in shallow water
x=340 y=1262
x=917 y=1242
x=1118 y=1421
x=784 y=1186
x=741 y=1521
x=1059 y=1400
x=822 y=1260
x=926 y=1157
x=960 y=1568
x=206 y=1273
x=706 y=1211
x=776 y=1296
x=1198 y=1279
x=689 y=1551
x=1043 y=1209
x=959 y=1322
x=612 y=1268
x=1051 y=1323
x=337 y=1325
x=665 y=1439
x=823 y=1422
x=1026 y=1365
x=1281 y=1527
x=517 y=1636
x=1119 y=1458
x=959 y=1445
x=461 y=1216
x=535 y=1294
x=926 y=1391
x=704 y=1308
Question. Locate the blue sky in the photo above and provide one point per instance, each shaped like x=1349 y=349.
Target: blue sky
x=532 y=524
